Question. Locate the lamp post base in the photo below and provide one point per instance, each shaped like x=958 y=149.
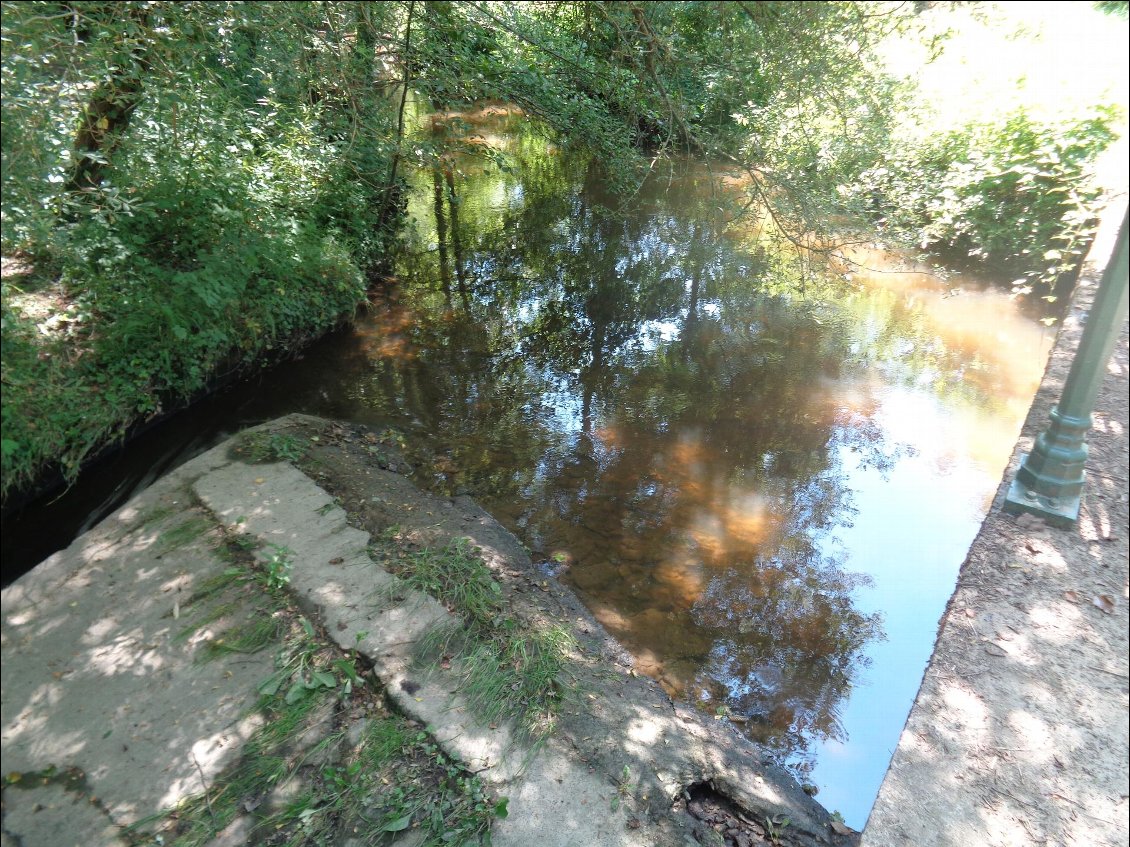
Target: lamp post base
x=1060 y=511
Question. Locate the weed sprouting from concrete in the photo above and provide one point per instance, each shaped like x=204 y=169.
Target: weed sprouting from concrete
x=276 y=566
x=329 y=760
x=456 y=576
x=260 y=447
x=511 y=672
x=184 y=533
x=248 y=637
x=517 y=677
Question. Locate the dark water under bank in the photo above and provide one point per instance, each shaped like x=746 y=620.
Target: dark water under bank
x=762 y=482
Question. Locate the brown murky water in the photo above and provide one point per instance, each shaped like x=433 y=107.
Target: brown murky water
x=761 y=481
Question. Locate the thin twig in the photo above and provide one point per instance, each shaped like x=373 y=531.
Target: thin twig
x=207 y=792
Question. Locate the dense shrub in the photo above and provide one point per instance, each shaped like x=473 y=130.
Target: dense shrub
x=1013 y=196
x=234 y=208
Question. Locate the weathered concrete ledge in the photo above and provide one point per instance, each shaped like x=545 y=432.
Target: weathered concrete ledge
x=101 y=678
x=1019 y=735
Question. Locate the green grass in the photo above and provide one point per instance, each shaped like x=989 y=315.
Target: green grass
x=392 y=778
x=247 y=637
x=456 y=576
x=518 y=677
x=510 y=672
x=260 y=447
x=184 y=533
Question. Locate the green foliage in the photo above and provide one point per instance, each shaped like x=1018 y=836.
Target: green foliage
x=457 y=576
x=271 y=447
x=510 y=671
x=1115 y=8
x=231 y=212
x=786 y=89
x=1013 y=196
x=276 y=566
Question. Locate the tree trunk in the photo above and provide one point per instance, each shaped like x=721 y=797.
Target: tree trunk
x=108 y=114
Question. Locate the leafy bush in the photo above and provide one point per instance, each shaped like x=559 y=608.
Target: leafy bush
x=234 y=213
x=1013 y=196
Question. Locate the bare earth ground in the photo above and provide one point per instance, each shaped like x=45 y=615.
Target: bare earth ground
x=1019 y=733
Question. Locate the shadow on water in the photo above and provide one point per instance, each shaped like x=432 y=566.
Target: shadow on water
x=749 y=474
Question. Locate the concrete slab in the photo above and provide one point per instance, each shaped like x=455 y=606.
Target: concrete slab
x=99 y=675
x=101 y=672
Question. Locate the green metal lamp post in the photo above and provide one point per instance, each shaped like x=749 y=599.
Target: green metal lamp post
x=1049 y=482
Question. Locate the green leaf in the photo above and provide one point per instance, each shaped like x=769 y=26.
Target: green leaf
x=327 y=680
x=296 y=693
x=500 y=810
x=272 y=684
x=398 y=825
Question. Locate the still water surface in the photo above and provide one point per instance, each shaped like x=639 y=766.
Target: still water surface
x=762 y=482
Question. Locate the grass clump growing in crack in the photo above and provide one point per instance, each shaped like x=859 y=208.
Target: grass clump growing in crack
x=511 y=672
x=259 y=447
x=456 y=576
x=329 y=762
x=517 y=676
x=248 y=637
x=184 y=533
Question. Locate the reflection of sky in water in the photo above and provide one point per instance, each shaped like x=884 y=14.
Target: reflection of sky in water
x=653 y=333
x=716 y=454
x=908 y=524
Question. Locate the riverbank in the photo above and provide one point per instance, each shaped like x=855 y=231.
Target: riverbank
x=80 y=378
x=159 y=684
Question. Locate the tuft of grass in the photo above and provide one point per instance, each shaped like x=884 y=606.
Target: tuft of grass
x=261 y=447
x=214 y=598
x=518 y=678
x=184 y=533
x=248 y=637
x=456 y=576
x=393 y=777
x=510 y=672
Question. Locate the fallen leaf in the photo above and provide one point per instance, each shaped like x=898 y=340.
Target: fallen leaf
x=259 y=480
x=397 y=825
x=1072 y=596
x=336 y=560
x=995 y=650
x=1105 y=602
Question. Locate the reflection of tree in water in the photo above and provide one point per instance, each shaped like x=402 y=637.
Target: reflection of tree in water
x=795 y=653
x=617 y=387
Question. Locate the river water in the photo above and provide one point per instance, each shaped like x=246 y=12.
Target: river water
x=762 y=478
